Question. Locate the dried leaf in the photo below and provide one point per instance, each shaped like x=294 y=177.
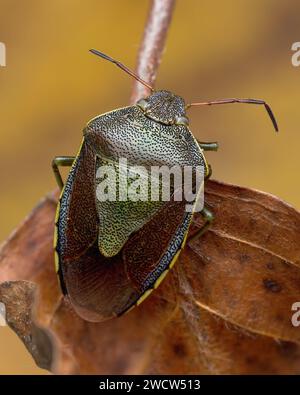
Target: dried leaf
x=225 y=307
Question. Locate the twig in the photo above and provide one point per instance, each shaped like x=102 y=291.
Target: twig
x=152 y=46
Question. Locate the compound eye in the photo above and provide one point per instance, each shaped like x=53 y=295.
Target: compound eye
x=143 y=104
x=181 y=121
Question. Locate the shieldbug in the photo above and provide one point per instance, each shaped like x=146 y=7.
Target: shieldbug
x=110 y=255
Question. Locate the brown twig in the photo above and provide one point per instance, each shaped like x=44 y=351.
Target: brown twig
x=152 y=46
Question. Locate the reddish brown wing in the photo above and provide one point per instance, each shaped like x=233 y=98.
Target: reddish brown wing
x=101 y=288
x=98 y=287
x=77 y=221
x=150 y=251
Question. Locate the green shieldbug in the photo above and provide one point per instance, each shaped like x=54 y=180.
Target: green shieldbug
x=111 y=255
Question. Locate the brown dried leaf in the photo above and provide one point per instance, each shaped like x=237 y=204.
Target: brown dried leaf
x=225 y=307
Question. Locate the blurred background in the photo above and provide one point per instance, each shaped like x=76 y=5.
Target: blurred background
x=52 y=86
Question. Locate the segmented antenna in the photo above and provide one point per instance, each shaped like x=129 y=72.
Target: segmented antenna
x=122 y=67
x=235 y=100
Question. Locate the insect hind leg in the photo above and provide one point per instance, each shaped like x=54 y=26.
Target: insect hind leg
x=208 y=217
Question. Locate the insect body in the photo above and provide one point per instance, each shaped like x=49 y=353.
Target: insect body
x=110 y=254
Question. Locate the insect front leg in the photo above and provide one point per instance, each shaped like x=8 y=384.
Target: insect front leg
x=208 y=218
x=61 y=161
x=213 y=146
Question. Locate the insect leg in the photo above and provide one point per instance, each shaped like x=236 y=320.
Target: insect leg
x=209 y=146
x=209 y=173
x=61 y=161
x=235 y=100
x=208 y=218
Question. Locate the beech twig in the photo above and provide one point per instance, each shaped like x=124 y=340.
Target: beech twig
x=152 y=45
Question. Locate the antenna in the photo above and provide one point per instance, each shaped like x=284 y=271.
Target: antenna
x=122 y=67
x=234 y=100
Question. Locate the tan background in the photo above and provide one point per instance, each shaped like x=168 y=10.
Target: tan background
x=52 y=86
